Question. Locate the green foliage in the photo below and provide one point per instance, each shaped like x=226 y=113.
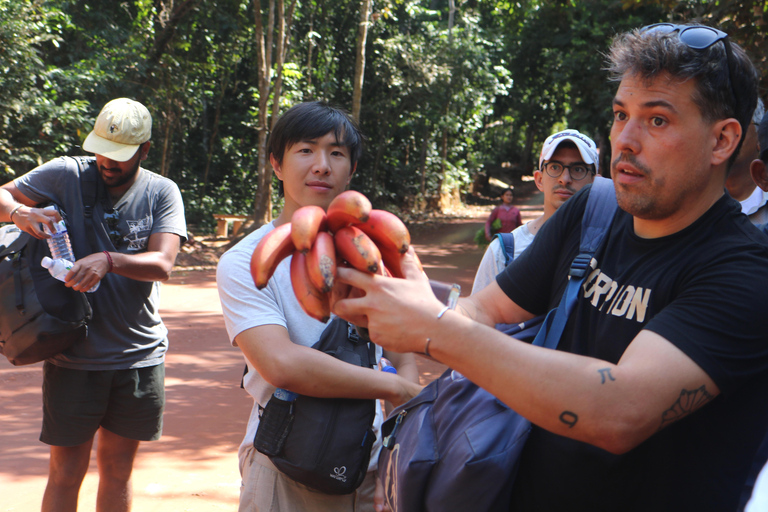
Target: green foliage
x=440 y=104
x=36 y=120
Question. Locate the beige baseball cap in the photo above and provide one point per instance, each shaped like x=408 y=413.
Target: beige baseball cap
x=122 y=125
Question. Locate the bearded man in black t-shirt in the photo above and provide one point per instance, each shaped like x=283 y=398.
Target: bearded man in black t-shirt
x=655 y=398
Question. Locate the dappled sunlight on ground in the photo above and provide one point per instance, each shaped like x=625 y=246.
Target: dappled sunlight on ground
x=194 y=467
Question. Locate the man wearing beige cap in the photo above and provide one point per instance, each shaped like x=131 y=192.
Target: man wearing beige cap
x=111 y=383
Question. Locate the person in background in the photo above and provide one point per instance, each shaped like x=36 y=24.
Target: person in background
x=314 y=149
x=568 y=161
x=505 y=214
x=113 y=382
x=655 y=398
x=739 y=183
x=756 y=488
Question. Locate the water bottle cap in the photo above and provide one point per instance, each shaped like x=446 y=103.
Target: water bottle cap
x=284 y=394
x=386 y=366
x=46 y=262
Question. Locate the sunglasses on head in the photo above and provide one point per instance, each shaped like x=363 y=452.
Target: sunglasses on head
x=701 y=37
x=112 y=219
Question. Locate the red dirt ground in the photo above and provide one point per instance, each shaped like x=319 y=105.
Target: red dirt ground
x=194 y=466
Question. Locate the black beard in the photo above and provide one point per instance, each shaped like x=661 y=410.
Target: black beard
x=123 y=179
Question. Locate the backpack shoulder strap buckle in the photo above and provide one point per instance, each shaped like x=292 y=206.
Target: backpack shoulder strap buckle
x=580 y=265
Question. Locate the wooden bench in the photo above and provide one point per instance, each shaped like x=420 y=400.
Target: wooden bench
x=223 y=220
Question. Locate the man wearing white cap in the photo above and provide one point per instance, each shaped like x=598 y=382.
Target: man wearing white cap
x=112 y=382
x=568 y=161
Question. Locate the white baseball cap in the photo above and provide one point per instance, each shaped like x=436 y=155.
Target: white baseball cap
x=587 y=147
x=122 y=126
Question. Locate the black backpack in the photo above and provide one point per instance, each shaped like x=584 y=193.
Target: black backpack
x=323 y=443
x=39 y=316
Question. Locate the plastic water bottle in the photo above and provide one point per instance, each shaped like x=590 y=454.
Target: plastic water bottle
x=59 y=269
x=386 y=366
x=285 y=395
x=58 y=243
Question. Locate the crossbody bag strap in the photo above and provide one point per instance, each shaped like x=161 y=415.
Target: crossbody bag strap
x=507 y=242
x=18 y=285
x=597 y=219
x=89 y=186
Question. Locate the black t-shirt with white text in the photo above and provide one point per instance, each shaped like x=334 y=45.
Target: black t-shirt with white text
x=704 y=289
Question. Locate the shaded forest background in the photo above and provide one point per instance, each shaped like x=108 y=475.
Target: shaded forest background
x=449 y=92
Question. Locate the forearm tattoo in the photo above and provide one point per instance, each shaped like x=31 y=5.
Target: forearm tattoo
x=605 y=374
x=687 y=402
x=569 y=418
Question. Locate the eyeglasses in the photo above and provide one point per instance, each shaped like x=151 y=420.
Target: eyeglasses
x=112 y=219
x=576 y=171
x=700 y=37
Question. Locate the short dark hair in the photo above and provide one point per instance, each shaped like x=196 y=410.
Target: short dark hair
x=312 y=120
x=648 y=54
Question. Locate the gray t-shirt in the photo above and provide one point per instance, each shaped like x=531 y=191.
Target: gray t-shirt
x=126 y=330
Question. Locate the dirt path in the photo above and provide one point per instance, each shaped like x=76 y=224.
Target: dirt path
x=194 y=466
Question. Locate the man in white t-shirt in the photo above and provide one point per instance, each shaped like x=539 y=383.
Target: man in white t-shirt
x=313 y=149
x=568 y=161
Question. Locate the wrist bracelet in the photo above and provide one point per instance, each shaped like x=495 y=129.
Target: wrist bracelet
x=14 y=211
x=429 y=340
x=109 y=260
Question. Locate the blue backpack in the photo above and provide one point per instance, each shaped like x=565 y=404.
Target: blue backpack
x=527 y=330
x=454 y=447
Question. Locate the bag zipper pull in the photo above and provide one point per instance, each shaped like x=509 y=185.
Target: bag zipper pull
x=389 y=441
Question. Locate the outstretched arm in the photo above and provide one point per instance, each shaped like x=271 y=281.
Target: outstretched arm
x=612 y=406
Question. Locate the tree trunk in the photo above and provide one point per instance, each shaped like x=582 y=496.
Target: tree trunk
x=165 y=35
x=527 y=150
x=310 y=46
x=423 y=163
x=443 y=159
x=214 y=133
x=279 y=56
x=262 y=201
x=168 y=134
x=362 y=35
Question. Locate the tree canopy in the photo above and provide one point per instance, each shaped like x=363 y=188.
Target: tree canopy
x=448 y=91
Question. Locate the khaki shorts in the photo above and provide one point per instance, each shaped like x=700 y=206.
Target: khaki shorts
x=265 y=489
x=76 y=403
